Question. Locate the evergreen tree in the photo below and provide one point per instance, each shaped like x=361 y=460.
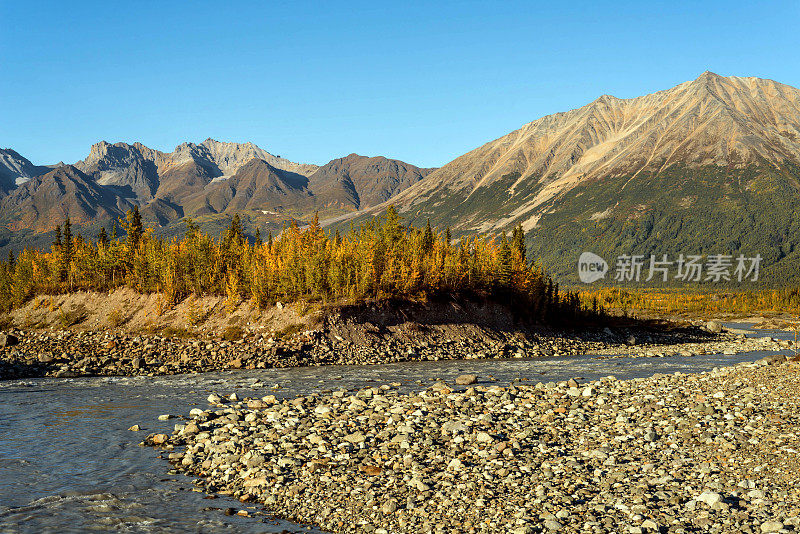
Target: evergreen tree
x=102 y=237
x=269 y=239
x=259 y=241
x=427 y=238
x=57 y=240
x=11 y=262
x=447 y=237
x=66 y=252
x=518 y=241
x=191 y=227
x=234 y=233
x=393 y=225
x=134 y=228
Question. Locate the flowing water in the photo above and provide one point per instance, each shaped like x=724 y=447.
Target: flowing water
x=68 y=462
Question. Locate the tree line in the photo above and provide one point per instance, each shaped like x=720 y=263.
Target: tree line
x=785 y=300
x=381 y=259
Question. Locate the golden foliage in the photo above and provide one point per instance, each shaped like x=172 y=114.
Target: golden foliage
x=381 y=259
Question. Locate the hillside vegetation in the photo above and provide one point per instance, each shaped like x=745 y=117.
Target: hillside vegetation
x=695 y=303
x=381 y=259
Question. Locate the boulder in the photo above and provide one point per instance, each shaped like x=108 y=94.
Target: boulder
x=714 y=327
x=466 y=380
x=8 y=340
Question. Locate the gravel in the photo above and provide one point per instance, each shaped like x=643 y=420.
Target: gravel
x=709 y=452
x=68 y=354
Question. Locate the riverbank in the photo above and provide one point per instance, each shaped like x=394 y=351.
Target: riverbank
x=69 y=354
x=683 y=453
x=86 y=334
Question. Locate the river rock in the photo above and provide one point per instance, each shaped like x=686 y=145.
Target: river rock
x=466 y=380
x=8 y=340
x=715 y=327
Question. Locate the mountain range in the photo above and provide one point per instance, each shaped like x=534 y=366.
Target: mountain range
x=709 y=166
x=209 y=181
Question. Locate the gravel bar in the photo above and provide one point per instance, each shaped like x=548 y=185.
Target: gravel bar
x=708 y=452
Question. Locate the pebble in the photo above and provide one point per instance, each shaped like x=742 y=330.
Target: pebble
x=99 y=353
x=678 y=453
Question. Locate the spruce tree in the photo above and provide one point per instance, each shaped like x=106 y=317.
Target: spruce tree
x=259 y=241
x=66 y=252
x=102 y=237
x=518 y=241
x=134 y=228
x=427 y=238
x=234 y=232
x=393 y=226
x=57 y=240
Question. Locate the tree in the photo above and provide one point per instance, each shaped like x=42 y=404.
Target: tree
x=518 y=241
x=427 y=238
x=393 y=225
x=234 y=232
x=505 y=269
x=57 y=240
x=102 y=237
x=447 y=237
x=134 y=228
x=66 y=252
x=259 y=241
x=191 y=227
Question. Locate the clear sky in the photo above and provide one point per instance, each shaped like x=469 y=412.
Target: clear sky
x=420 y=81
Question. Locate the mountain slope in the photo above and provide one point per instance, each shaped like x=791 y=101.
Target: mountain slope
x=16 y=170
x=729 y=122
x=256 y=186
x=46 y=200
x=668 y=172
x=359 y=182
x=143 y=174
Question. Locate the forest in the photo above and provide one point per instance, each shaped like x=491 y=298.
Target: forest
x=696 y=303
x=381 y=259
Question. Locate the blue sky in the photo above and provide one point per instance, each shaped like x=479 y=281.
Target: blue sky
x=311 y=81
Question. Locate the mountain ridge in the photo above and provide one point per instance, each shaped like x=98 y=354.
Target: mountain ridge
x=611 y=136
x=210 y=180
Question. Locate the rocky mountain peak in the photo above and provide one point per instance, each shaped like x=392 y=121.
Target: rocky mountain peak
x=729 y=122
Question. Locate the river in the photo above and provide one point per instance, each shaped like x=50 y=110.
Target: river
x=68 y=462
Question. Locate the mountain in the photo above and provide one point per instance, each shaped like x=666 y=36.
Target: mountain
x=256 y=186
x=711 y=165
x=144 y=174
x=46 y=200
x=209 y=181
x=359 y=182
x=16 y=170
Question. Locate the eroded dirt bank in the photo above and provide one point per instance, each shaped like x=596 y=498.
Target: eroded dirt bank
x=124 y=333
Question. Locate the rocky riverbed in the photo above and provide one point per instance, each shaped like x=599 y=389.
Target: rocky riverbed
x=711 y=452
x=66 y=353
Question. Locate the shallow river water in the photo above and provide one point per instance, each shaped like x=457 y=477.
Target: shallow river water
x=68 y=462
